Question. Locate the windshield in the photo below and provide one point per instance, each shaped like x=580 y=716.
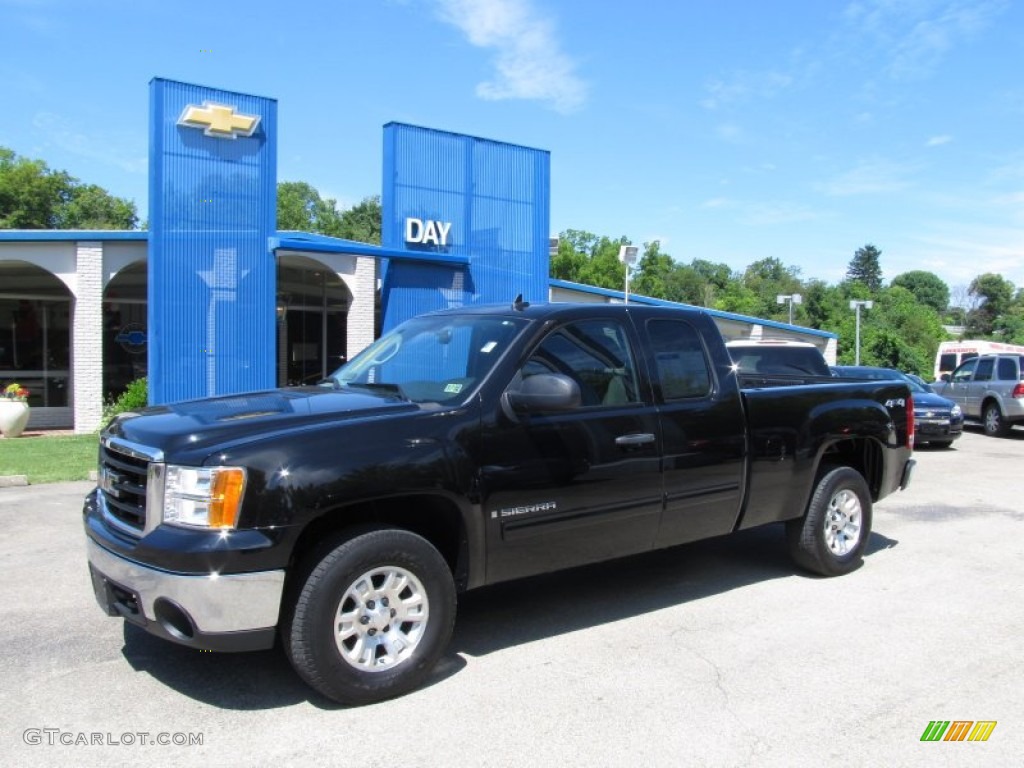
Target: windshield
x=438 y=358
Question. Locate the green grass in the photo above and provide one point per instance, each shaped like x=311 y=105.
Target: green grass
x=49 y=459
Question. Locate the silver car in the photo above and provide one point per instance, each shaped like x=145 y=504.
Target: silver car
x=989 y=389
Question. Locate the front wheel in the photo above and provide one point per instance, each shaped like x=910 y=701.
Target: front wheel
x=995 y=424
x=830 y=538
x=372 y=617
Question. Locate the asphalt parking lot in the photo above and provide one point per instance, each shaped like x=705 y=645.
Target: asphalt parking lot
x=718 y=653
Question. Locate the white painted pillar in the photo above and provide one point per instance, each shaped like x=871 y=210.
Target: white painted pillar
x=87 y=338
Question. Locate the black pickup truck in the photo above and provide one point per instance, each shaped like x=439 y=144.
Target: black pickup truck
x=464 y=448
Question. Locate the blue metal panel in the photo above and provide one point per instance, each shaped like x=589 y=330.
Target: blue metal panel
x=495 y=196
x=212 y=208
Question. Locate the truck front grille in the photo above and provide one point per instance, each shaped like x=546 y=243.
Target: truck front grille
x=123 y=473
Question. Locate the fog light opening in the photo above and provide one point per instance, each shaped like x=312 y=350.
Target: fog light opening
x=174 y=619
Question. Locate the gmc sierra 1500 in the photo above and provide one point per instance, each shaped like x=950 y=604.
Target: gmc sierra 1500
x=464 y=448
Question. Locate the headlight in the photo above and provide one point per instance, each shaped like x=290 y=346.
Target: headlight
x=203 y=497
x=954 y=412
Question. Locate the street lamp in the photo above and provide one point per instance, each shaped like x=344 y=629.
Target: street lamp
x=791 y=299
x=627 y=255
x=856 y=305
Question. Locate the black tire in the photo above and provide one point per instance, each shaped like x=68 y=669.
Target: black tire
x=993 y=421
x=399 y=596
x=941 y=443
x=830 y=538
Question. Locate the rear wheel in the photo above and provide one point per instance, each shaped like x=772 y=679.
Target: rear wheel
x=372 y=617
x=995 y=424
x=830 y=538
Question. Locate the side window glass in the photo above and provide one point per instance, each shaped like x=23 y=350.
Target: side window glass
x=680 y=365
x=963 y=373
x=1007 y=370
x=596 y=354
x=984 y=369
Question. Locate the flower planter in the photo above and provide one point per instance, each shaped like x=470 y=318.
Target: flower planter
x=13 y=417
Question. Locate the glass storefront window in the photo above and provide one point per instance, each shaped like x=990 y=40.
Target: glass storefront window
x=35 y=348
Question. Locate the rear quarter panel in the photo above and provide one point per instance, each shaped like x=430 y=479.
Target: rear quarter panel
x=794 y=430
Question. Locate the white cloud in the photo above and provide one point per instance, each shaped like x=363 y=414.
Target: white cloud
x=64 y=134
x=869 y=178
x=758 y=214
x=769 y=214
x=717 y=202
x=961 y=255
x=729 y=132
x=938 y=141
x=916 y=35
x=529 y=61
x=745 y=86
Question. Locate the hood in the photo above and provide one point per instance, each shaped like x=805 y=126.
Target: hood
x=203 y=426
x=931 y=400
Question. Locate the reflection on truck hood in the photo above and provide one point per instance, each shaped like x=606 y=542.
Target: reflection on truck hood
x=210 y=423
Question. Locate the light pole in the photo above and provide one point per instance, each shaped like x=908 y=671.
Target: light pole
x=856 y=305
x=791 y=299
x=627 y=255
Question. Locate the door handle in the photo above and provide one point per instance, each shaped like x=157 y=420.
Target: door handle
x=639 y=438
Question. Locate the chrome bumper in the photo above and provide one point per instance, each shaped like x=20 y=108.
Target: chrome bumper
x=213 y=604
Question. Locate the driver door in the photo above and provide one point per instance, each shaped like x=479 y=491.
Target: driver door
x=580 y=485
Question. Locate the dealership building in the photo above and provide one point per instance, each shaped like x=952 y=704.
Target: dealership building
x=213 y=299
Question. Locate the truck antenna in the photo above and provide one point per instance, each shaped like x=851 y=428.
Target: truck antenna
x=519 y=305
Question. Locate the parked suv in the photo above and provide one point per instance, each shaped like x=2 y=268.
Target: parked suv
x=989 y=389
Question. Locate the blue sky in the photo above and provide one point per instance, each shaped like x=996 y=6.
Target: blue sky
x=730 y=130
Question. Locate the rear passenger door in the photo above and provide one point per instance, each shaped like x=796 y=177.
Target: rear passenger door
x=703 y=433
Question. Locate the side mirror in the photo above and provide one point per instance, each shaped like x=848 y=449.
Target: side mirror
x=545 y=392
x=946 y=378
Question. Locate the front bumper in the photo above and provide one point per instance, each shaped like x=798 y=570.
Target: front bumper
x=937 y=429
x=231 y=612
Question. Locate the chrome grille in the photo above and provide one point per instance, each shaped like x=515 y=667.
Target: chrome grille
x=122 y=476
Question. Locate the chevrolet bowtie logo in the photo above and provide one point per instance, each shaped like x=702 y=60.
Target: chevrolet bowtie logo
x=218 y=120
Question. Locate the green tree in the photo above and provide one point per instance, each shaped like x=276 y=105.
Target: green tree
x=927 y=287
x=865 y=268
x=583 y=257
x=30 y=193
x=33 y=196
x=994 y=294
x=92 y=207
x=768 y=279
x=653 y=272
x=300 y=207
x=362 y=222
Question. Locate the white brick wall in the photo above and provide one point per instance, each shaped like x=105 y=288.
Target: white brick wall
x=87 y=338
x=360 y=314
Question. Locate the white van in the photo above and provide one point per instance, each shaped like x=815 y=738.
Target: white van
x=951 y=353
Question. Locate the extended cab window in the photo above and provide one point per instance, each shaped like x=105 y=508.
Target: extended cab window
x=596 y=354
x=682 y=369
